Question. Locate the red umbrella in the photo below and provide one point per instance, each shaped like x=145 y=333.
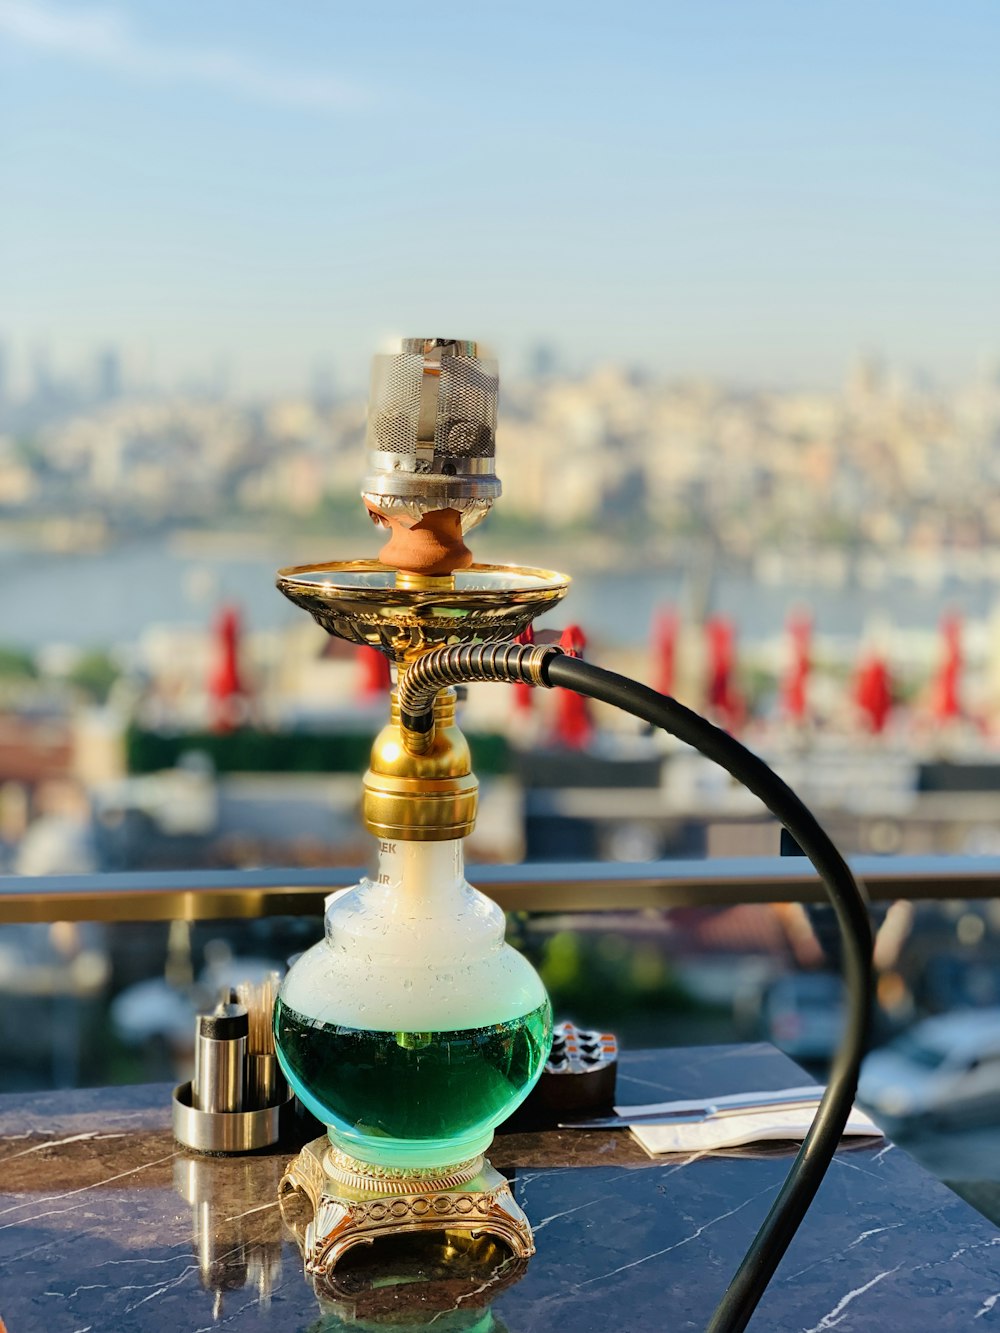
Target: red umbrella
x=574 y=724
x=873 y=692
x=373 y=673
x=665 y=630
x=946 y=703
x=225 y=683
x=723 y=698
x=794 y=687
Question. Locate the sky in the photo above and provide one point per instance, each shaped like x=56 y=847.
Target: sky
x=755 y=191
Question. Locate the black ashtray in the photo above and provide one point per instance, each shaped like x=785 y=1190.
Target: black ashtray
x=578 y=1080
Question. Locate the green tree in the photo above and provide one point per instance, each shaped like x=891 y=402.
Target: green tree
x=16 y=664
x=94 y=674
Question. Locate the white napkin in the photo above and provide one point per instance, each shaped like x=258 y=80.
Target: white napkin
x=734 y=1130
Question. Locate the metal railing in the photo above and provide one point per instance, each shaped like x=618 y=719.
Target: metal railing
x=197 y=895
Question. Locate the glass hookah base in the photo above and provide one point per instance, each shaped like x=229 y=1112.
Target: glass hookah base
x=413 y=1099
x=351 y=1203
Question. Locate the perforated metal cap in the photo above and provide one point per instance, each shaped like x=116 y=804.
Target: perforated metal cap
x=432 y=418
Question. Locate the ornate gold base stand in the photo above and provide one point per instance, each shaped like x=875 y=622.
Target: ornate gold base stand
x=354 y=1203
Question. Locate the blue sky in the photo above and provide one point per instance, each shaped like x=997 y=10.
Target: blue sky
x=754 y=189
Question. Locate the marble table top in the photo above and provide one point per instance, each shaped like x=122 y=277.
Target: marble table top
x=107 y=1224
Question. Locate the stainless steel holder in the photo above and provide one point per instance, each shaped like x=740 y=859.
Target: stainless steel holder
x=223 y=1132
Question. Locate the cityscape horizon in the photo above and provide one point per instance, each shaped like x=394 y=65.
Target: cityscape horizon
x=32 y=370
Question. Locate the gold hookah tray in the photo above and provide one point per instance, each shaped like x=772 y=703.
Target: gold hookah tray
x=359 y=600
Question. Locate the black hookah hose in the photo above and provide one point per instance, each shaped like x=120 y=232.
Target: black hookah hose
x=549 y=667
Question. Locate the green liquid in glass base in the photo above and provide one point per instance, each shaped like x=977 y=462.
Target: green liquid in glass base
x=412 y=1098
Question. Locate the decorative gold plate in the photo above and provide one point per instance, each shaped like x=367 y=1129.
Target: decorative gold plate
x=359 y=600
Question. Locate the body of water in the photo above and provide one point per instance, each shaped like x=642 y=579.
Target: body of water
x=110 y=597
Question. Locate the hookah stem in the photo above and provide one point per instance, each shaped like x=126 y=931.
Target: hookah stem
x=551 y=668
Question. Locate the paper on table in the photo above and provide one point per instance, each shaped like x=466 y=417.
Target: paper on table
x=734 y=1130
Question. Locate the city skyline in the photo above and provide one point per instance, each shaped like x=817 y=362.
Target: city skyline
x=37 y=375
x=754 y=194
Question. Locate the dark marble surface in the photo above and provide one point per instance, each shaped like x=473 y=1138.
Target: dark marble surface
x=106 y=1224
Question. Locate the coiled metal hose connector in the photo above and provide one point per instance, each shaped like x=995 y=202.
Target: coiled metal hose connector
x=450 y=665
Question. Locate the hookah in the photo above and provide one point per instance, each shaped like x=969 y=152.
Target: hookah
x=412 y=1030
